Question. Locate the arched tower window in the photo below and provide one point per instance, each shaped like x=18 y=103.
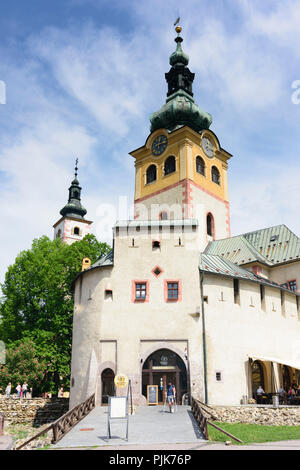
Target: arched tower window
x=151 y=174
x=215 y=175
x=58 y=235
x=170 y=165
x=210 y=225
x=76 y=231
x=200 y=166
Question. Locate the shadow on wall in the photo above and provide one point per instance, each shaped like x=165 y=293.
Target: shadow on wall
x=53 y=409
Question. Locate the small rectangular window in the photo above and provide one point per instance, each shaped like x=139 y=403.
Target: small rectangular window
x=236 y=291
x=282 y=303
x=218 y=376
x=172 y=290
x=140 y=291
x=108 y=294
x=262 y=297
x=155 y=244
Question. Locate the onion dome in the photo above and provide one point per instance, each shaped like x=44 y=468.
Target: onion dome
x=178 y=57
x=180 y=108
x=74 y=207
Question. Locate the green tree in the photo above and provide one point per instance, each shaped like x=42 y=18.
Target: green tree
x=22 y=364
x=37 y=303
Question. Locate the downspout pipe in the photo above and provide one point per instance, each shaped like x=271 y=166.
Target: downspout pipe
x=203 y=338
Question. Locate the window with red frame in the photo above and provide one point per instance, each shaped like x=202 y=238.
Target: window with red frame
x=140 y=291
x=172 y=291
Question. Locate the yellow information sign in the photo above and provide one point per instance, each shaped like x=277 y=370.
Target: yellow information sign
x=121 y=381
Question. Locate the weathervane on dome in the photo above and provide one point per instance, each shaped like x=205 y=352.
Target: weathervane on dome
x=178 y=28
x=76 y=167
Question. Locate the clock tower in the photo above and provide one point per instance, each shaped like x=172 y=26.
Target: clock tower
x=181 y=171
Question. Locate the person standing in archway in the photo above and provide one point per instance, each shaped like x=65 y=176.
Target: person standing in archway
x=171 y=396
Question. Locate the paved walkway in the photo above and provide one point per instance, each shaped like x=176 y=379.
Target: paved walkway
x=148 y=426
x=6 y=442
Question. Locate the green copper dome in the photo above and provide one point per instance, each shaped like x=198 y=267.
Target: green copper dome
x=180 y=108
x=74 y=208
x=180 y=111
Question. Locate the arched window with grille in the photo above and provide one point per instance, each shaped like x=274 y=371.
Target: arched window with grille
x=200 y=166
x=151 y=174
x=215 y=175
x=170 y=165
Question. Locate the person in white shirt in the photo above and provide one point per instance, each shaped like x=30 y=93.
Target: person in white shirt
x=260 y=391
x=18 y=389
x=8 y=390
x=24 y=389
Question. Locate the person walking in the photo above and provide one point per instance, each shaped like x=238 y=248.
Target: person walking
x=171 y=396
x=18 y=390
x=8 y=390
x=24 y=389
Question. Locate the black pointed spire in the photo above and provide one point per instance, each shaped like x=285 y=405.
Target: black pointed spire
x=74 y=207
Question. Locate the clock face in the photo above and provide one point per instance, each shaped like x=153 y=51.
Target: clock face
x=159 y=145
x=207 y=147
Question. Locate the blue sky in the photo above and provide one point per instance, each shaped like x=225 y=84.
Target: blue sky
x=83 y=76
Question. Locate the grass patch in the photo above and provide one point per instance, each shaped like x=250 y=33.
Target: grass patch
x=253 y=433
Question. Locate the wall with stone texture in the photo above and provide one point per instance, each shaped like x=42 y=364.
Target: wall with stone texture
x=285 y=416
x=36 y=411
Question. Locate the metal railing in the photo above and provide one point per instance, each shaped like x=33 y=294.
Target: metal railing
x=199 y=416
x=201 y=413
x=66 y=422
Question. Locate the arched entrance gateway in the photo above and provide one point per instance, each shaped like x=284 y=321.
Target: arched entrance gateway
x=161 y=367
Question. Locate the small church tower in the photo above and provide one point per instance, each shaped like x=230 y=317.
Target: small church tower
x=72 y=226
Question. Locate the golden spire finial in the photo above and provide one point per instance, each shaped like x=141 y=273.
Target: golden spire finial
x=178 y=28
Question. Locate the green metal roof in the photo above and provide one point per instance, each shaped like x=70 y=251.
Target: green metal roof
x=106 y=260
x=270 y=246
x=214 y=264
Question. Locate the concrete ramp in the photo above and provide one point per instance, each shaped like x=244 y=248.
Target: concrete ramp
x=149 y=425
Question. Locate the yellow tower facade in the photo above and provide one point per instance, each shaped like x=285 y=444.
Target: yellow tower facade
x=187 y=180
